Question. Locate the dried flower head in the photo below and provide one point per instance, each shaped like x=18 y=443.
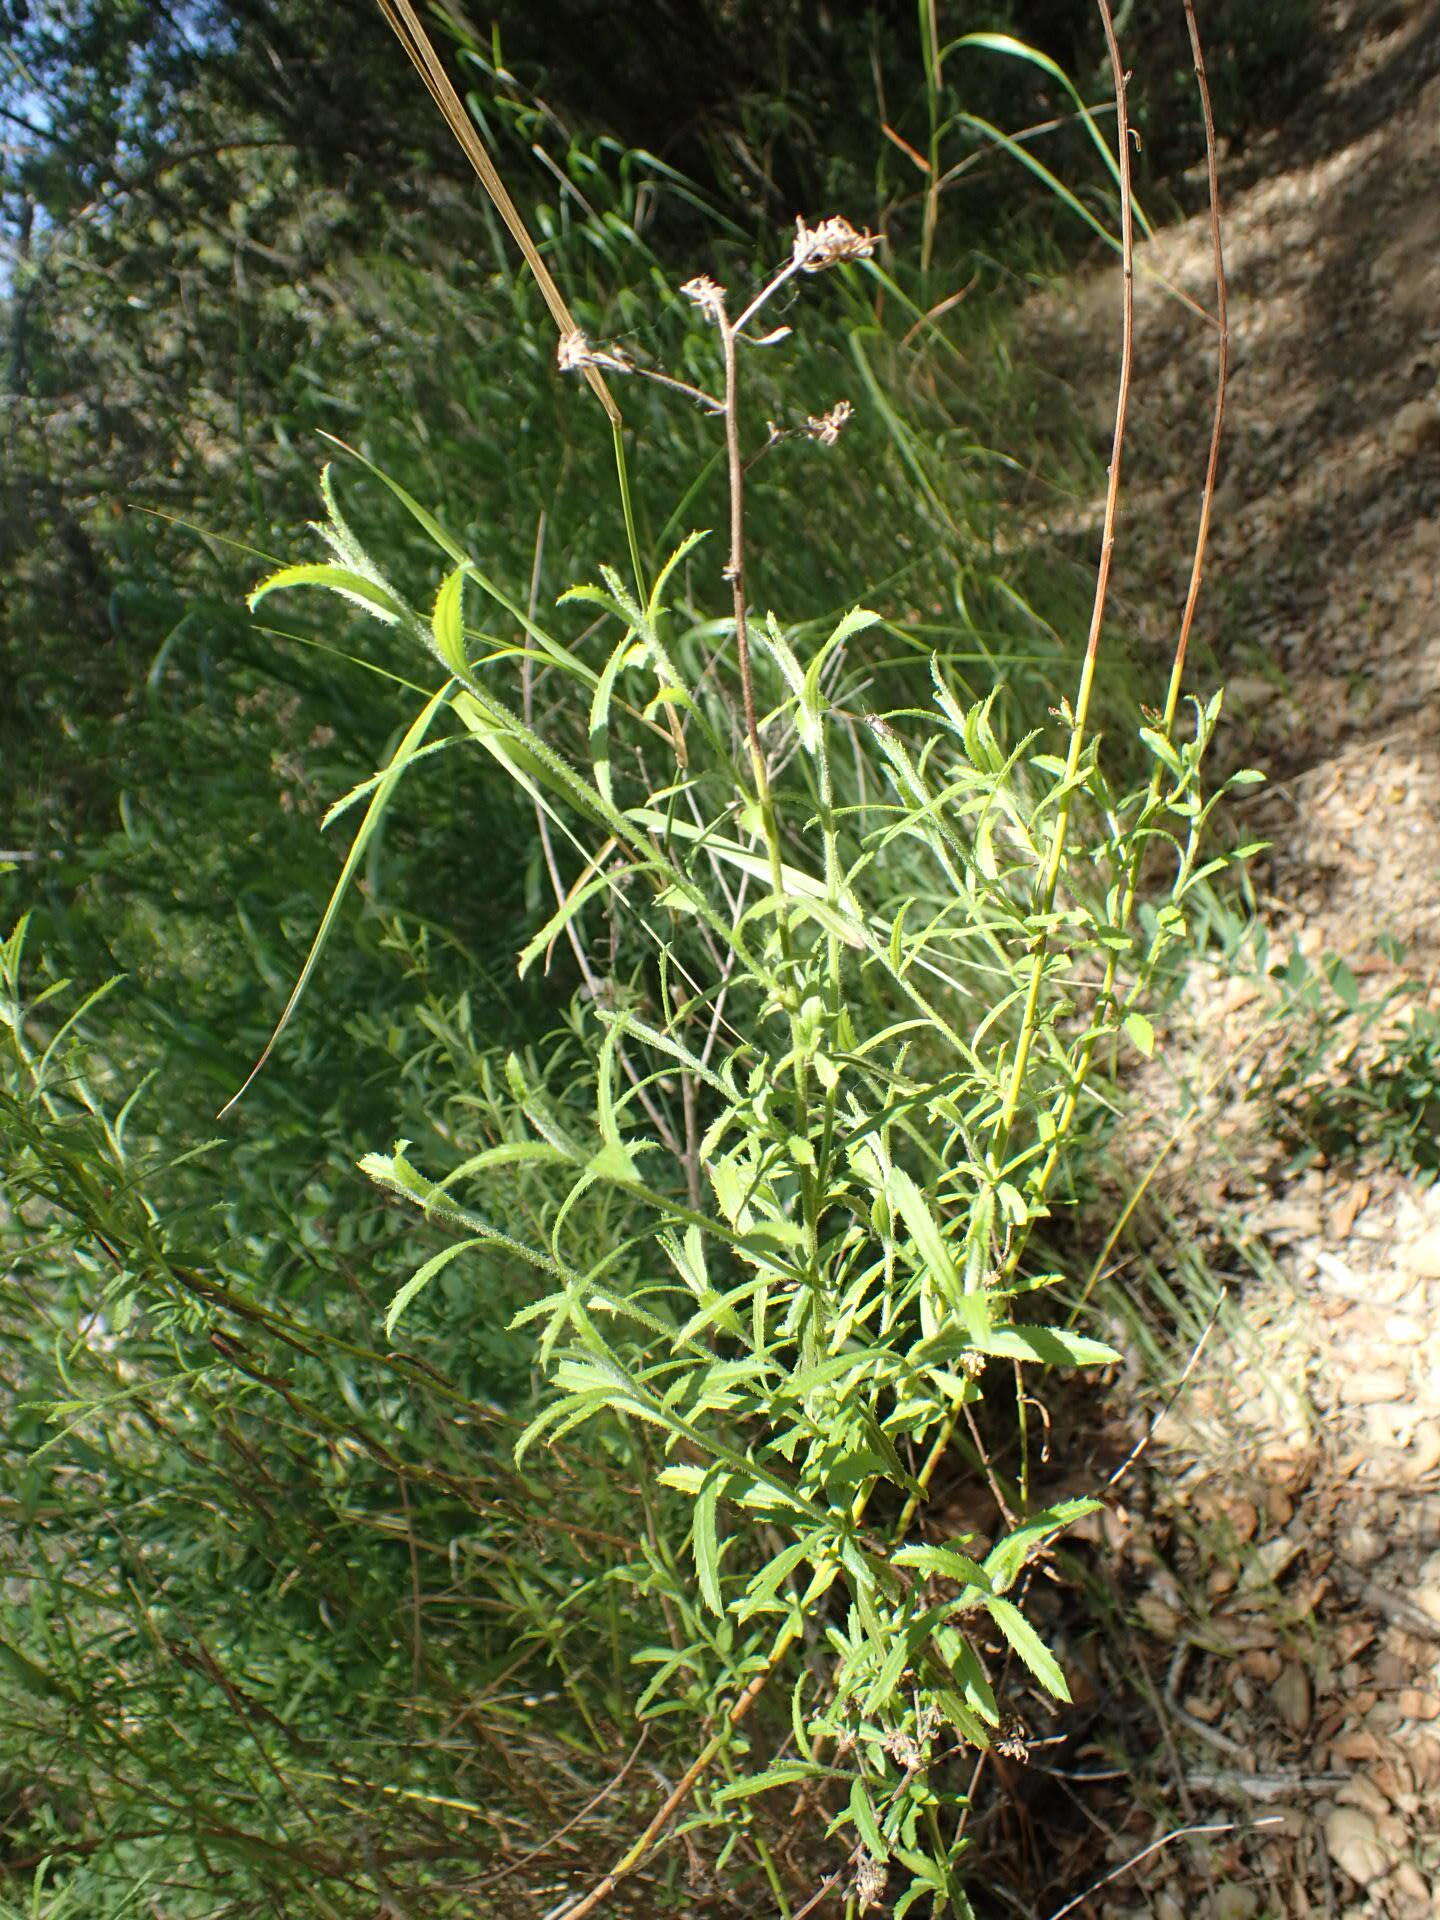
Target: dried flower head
x=707 y=294
x=575 y=352
x=904 y=1749
x=972 y=1364
x=1012 y=1738
x=828 y=244
x=868 y=1886
x=826 y=428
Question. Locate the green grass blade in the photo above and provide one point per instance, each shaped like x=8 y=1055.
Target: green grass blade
x=399 y=762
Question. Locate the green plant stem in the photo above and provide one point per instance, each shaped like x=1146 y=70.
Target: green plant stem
x=627 y=508
x=932 y=55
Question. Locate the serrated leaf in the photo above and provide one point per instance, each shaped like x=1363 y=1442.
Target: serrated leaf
x=1007 y=1557
x=786 y=1773
x=447 y=624
x=945 y=1562
x=1028 y=1644
x=866 y=1825
x=924 y=1232
x=350 y=586
x=1049 y=1346
x=422 y=1277
x=706 y=1544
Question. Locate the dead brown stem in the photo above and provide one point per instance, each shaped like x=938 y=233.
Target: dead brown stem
x=1222 y=369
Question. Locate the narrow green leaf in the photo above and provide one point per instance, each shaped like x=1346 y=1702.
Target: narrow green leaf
x=1007 y=1557
x=945 y=1562
x=1005 y=43
x=1028 y=1644
x=447 y=623
x=1050 y=1346
x=350 y=586
x=785 y=1774
x=422 y=1277
x=400 y=760
x=924 y=1231
x=706 y=1544
x=866 y=1825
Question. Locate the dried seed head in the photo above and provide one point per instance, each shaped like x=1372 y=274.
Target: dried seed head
x=1012 y=1738
x=972 y=1364
x=827 y=427
x=575 y=352
x=904 y=1749
x=707 y=294
x=868 y=1886
x=828 y=244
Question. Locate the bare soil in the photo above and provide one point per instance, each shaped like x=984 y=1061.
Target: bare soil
x=1269 y=1651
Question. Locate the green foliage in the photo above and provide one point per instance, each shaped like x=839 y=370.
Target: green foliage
x=365 y=1513
x=1358 y=1077
x=834 y=1044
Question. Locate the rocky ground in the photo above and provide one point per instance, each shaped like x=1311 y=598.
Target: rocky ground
x=1276 y=1651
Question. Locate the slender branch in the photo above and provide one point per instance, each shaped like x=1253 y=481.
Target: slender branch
x=1165 y=1840
x=1222 y=369
x=735 y=565
x=1051 y=879
x=545 y=1846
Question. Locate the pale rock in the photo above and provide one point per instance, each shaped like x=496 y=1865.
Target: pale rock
x=1404 y=1330
x=1362 y=1546
x=1422 y=1751
x=1338 y=1278
x=1235 y=1903
x=1243 y=1517
x=1162 y=1621
x=1422 y=1456
x=1415 y=428
x=1362 y=1791
x=1279 y=1506
x=1408 y=1893
x=1391 y=1422
x=1373 y=1385
x=1292 y=1698
x=1270 y=1561
x=1354 y=1844
x=1422 y=1256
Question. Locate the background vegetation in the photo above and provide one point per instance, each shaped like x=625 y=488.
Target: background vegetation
x=284 y=1626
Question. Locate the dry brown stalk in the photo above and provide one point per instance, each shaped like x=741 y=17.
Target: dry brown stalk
x=1222 y=369
x=423 y=57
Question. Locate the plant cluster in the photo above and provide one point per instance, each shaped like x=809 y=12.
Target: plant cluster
x=696 y=1300
x=1359 y=1077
